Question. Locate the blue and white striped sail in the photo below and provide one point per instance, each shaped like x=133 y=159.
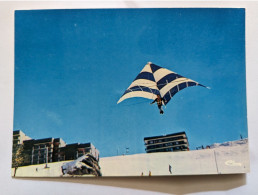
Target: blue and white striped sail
x=154 y=80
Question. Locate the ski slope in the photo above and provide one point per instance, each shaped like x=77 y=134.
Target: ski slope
x=226 y=158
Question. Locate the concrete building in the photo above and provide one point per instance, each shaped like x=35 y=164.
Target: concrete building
x=19 y=137
x=47 y=150
x=43 y=150
x=76 y=150
x=167 y=143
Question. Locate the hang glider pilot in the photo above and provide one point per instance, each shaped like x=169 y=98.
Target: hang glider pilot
x=159 y=101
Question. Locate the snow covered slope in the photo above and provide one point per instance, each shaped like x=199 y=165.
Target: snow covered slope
x=226 y=158
x=222 y=159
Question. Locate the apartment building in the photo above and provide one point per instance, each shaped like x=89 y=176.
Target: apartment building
x=167 y=143
x=47 y=150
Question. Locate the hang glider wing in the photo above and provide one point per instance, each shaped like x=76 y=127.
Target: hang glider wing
x=144 y=85
x=154 y=80
x=169 y=83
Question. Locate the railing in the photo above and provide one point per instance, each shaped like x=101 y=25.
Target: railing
x=161 y=140
x=172 y=142
x=174 y=148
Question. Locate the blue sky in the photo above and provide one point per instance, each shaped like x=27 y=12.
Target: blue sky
x=72 y=66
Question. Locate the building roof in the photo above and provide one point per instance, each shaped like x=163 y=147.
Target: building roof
x=58 y=139
x=16 y=132
x=161 y=136
x=38 y=141
x=79 y=145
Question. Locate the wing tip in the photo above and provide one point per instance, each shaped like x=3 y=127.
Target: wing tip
x=203 y=85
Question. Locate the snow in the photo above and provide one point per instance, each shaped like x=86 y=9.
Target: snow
x=225 y=158
x=73 y=165
x=222 y=159
x=230 y=143
x=85 y=165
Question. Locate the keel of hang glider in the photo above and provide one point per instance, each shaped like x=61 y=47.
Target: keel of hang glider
x=154 y=80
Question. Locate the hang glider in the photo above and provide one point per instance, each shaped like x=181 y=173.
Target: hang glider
x=154 y=80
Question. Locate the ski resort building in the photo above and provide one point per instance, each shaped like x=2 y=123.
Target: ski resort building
x=43 y=150
x=47 y=150
x=76 y=150
x=167 y=143
x=19 y=137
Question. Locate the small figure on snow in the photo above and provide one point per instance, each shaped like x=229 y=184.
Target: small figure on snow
x=159 y=101
x=170 y=169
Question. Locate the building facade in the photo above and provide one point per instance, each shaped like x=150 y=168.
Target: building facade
x=76 y=150
x=167 y=143
x=47 y=150
x=19 y=137
x=43 y=150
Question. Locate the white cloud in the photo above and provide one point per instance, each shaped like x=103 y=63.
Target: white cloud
x=54 y=117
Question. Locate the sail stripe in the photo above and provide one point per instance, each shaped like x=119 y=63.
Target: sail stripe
x=154 y=67
x=173 y=84
x=173 y=90
x=140 y=93
x=144 y=82
x=167 y=79
x=159 y=74
x=147 y=68
x=145 y=75
x=142 y=88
